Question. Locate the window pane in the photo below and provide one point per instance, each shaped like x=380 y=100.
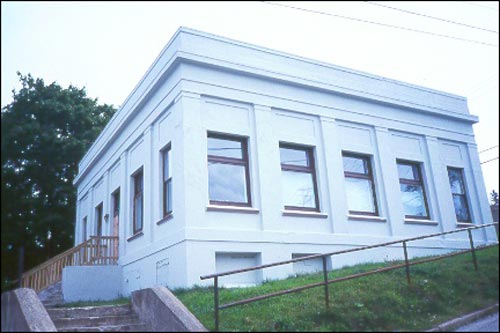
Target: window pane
x=227 y=182
x=167 y=196
x=461 y=210
x=298 y=189
x=360 y=195
x=294 y=156
x=138 y=213
x=166 y=164
x=413 y=200
x=226 y=148
x=355 y=164
x=407 y=171
x=456 y=182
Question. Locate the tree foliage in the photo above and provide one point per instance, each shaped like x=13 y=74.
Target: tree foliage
x=45 y=132
x=494 y=198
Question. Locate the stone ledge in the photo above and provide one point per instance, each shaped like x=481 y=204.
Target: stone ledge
x=451 y=325
x=22 y=311
x=163 y=312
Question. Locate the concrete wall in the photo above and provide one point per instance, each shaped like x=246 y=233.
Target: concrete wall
x=91 y=283
x=270 y=98
x=22 y=311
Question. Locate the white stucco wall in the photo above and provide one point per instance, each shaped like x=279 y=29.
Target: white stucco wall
x=269 y=97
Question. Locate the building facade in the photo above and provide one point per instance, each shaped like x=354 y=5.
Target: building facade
x=228 y=155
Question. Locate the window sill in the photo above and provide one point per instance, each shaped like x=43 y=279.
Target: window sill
x=419 y=221
x=465 y=224
x=165 y=219
x=371 y=218
x=137 y=235
x=304 y=214
x=232 y=209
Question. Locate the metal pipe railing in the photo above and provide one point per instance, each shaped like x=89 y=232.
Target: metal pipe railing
x=326 y=282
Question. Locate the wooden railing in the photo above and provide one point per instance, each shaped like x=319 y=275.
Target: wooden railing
x=98 y=250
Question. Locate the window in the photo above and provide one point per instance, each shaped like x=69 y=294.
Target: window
x=84 y=229
x=138 y=202
x=412 y=190
x=167 y=181
x=360 y=188
x=98 y=218
x=457 y=185
x=228 y=176
x=298 y=178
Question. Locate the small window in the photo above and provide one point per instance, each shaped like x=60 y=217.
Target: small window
x=412 y=190
x=360 y=188
x=98 y=218
x=457 y=185
x=167 y=181
x=228 y=175
x=84 y=229
x=138 y=202
x=298 y=178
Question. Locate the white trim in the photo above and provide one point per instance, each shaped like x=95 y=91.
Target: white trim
x=232 y=209
x=420 y=221
x=300 y=213
x=370 y=218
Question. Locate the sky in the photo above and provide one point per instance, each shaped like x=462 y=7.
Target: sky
x=107 y=47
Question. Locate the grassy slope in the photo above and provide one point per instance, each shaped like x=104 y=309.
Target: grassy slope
x=381 y=302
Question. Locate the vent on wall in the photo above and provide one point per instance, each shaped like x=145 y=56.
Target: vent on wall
x=228 y=261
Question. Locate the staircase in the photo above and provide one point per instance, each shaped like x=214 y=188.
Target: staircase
x=111 y=318
x=51 y=296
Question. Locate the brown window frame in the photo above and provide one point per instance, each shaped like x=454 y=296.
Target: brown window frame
x=368 y=176
x=419 y=182
x=311 y=168
x=98 y=212
x=461 y=171
x=138 y=194
x=244 y=161
x=165 y=182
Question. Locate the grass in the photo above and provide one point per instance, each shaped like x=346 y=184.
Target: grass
x=118 y=301
x=439 y=291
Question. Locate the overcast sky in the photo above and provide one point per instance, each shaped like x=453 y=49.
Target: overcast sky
x=107 y=47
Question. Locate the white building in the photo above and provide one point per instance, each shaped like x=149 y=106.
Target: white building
x=227 y=154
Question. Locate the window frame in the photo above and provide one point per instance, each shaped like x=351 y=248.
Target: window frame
x=420 y=182
x=244 y=161
x=311 y=168
x=135 y=195
x=166 y=150
x=369 y=177
x=462 y=179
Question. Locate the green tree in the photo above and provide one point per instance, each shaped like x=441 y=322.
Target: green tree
x=45 y=132
x=494 y=198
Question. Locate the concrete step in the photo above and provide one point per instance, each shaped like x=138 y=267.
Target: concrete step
x=96 y=321
x=90 y=311
x=115 y=328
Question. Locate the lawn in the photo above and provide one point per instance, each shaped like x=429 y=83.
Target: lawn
x=440 y=290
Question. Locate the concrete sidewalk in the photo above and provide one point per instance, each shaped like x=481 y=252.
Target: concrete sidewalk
x=471 y=322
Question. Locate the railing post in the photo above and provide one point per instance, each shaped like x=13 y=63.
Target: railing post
x=472 y=249
x=216 y=303
x=407 y=266
x=325 y=278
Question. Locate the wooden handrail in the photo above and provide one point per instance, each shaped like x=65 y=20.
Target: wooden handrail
x=97 y=250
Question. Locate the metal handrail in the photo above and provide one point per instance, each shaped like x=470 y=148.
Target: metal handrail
x=326 y=282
